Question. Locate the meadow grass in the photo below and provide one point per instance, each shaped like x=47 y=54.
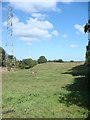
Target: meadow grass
x=49 y=93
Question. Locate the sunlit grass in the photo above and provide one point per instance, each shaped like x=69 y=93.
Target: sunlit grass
x=26 y=95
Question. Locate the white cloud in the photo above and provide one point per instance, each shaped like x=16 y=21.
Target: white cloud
x=73 y=46
x=39 y=16
x=66 y=1
x=40 y=24
x=32 y=30
x=55 y=33
x=45 y=1
x=34 y=6
x=79 y=29
x=64 y=36
x=29 y=0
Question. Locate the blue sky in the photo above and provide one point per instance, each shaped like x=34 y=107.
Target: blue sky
x=54 y=30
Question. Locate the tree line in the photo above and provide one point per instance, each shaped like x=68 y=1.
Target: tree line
x=24 y=63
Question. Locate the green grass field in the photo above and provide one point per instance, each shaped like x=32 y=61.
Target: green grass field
x=56 y=90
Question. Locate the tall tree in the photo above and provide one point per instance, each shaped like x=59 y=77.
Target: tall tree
x=42 y=59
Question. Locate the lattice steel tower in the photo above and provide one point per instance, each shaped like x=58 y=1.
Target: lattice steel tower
x=9 y=39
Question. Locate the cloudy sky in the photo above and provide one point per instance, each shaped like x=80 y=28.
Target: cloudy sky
x=53 y=29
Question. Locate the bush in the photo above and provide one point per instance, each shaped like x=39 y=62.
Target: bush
x=27 y=63
x=8 y=68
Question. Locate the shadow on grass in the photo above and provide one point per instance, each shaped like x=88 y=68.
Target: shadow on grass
x=78 y=91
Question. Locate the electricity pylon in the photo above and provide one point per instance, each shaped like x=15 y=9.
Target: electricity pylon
x=9 y=39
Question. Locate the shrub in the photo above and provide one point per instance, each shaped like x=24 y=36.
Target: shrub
x=27 y=63
x=8 y=68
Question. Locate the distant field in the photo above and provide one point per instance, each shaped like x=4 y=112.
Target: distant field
x=50 y=90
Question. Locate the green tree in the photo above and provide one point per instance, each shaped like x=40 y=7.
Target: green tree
x=11 y=60
x=59 y=60
x=71 y=60
x=87 y=62
x=42 y=59
x=2 y=57
x=27 y=63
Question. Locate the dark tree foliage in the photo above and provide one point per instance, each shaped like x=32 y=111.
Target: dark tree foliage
x=59 y=60
x=72 y=61
x=2 y=57
x=87 y=62
x=27 y=63
x=10 y=57
x=42 y=59
x=54 y=60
